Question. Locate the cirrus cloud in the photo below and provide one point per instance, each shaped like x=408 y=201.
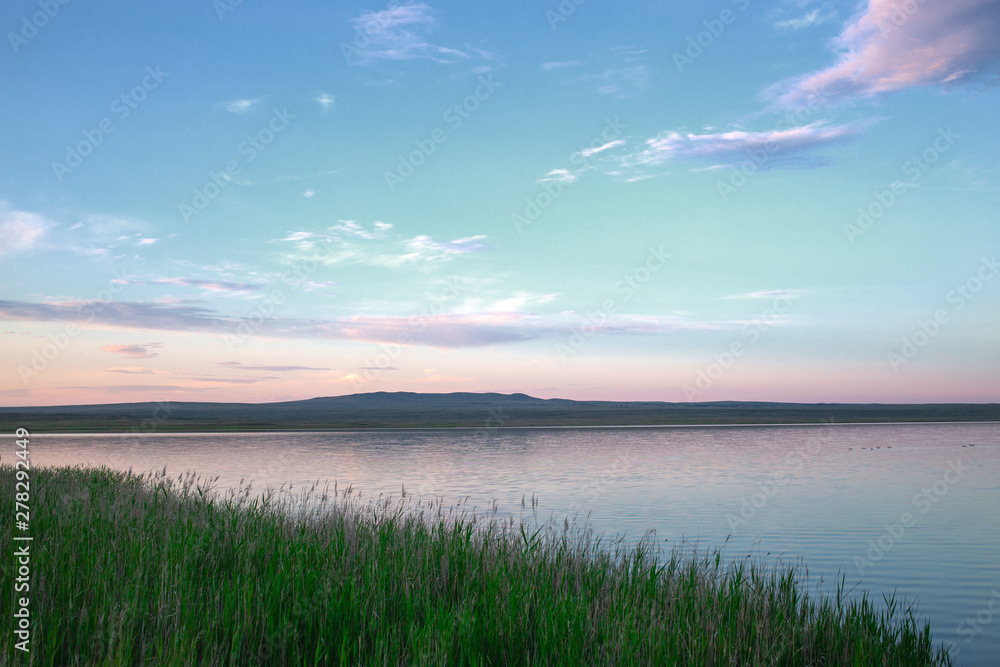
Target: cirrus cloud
x=784 y=147
x=398 y=33
x=351 y=243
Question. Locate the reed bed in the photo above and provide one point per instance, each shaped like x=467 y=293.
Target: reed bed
x=153 y=569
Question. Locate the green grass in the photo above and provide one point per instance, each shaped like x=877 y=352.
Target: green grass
x=130 y=569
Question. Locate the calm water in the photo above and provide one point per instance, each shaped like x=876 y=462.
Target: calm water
x=918 y=515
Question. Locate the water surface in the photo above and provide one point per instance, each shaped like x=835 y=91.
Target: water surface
x=889 y=506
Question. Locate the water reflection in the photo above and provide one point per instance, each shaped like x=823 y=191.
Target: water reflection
x=903 y=507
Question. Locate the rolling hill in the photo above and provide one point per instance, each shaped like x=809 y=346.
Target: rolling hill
x=462 y=409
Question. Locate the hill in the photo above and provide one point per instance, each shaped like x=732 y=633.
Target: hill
x=462 y=409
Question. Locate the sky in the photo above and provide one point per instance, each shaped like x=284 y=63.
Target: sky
x=242 y=201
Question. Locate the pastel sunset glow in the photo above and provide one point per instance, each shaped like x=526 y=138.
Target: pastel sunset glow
x=792 y=200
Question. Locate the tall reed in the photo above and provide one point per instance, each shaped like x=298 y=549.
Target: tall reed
x=136 y=569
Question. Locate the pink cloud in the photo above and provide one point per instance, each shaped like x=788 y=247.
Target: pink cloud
x=446 y=330
x=143 y=351
x=133 y=388
x=271 y=369
x=895 y=45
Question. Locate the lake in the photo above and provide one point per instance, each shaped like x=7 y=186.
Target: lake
x=910 y=507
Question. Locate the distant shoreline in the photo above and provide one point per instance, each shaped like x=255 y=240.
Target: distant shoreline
x=466 y=410
x=388 y=429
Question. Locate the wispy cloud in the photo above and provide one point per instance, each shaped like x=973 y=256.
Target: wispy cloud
x=348 y=242
x=127 y=314
x=132 y=388
x=559 y=176
x=769 y=294
x=101 y=235
x=425 y=248
x=519 y=302
x=625 y=78
x=241 y=106
x=619 y=71
x=325 y=101
x=218 y=286
x=221 y=380
x=271 y=369
x=582 y=158
x=343 y=230
x=107 y=227
x=889 y=46
x=139 y=351
x=400 y=33
x=807 y=20
x=316 y=285
x=20 y=230
x=784 y=148
x=892 y=46
x=221 y=267
x=351 y=228
x=445 y=330
x=589 y=152
x=559 y=64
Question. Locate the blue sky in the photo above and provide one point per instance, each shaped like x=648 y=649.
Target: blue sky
x=792 y=200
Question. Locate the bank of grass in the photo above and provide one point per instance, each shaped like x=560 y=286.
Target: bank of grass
x=148 y=569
